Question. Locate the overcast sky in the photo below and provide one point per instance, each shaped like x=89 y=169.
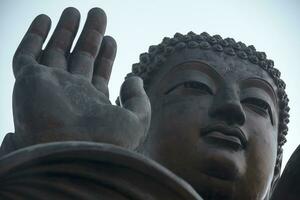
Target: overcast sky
x=272 y=26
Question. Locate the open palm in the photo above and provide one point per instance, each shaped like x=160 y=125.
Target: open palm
x=62 y=95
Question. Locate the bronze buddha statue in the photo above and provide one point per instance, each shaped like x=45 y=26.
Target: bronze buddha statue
x=213 y=111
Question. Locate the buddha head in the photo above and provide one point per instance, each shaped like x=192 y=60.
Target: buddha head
x=219 y=114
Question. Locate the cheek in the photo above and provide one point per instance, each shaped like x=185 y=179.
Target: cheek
x=263 y=142
x=174 y=131
x=261 y=152
x=181 y=113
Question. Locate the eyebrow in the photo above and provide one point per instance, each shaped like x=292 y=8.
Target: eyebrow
x=199 y=65
x=191 y=75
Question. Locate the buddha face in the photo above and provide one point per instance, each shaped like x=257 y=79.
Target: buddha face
x=215 y=124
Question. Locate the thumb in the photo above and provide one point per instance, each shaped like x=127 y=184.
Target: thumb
x=134 y=98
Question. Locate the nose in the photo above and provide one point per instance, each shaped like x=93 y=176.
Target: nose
x=227 y=107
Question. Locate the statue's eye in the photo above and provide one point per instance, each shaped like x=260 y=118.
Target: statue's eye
x=198 y=86
x=191 y=86
x=259 y=106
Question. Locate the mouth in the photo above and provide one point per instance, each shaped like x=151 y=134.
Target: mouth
x=225 y=136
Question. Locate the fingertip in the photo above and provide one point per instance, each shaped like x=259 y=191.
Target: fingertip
x=134 y=98
x=42 y=19
x=97 y=11
x=71 y=11
x=40 y=25
x=110 y=41
x=43 y=16
x=135 y=80
x=133 y=86
x=108 y=48
x=69 y=20
x=97 y=19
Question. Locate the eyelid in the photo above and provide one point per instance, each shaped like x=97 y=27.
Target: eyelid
x=196 y=83
x=258 y=93
x=255 y=101
x=254 y=83
x=180 y=76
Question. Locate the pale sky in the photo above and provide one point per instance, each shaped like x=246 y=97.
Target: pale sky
x=272 y=26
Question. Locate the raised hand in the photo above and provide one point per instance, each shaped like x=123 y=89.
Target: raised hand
x=62 y=95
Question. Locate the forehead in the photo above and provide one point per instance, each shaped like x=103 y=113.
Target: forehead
x=230 y=69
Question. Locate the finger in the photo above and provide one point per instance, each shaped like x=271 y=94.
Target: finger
x=61 y=41
x=103 y=64
x=134 y=98
x=87 y=47
x=31 y=44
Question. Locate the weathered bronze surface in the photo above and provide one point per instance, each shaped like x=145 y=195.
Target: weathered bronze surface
x=86 y=170
x=212 y=111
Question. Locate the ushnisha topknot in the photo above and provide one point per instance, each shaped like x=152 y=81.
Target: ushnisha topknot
x=151 y=61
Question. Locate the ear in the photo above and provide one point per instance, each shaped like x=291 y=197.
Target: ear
x=287 y=187
x=276 y=175
x=277 y=170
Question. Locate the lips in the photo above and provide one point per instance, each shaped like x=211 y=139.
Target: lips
x=223 y=135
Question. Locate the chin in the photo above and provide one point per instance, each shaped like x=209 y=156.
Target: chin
x=218 y=174
x=212 y=188
x=221 y=162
